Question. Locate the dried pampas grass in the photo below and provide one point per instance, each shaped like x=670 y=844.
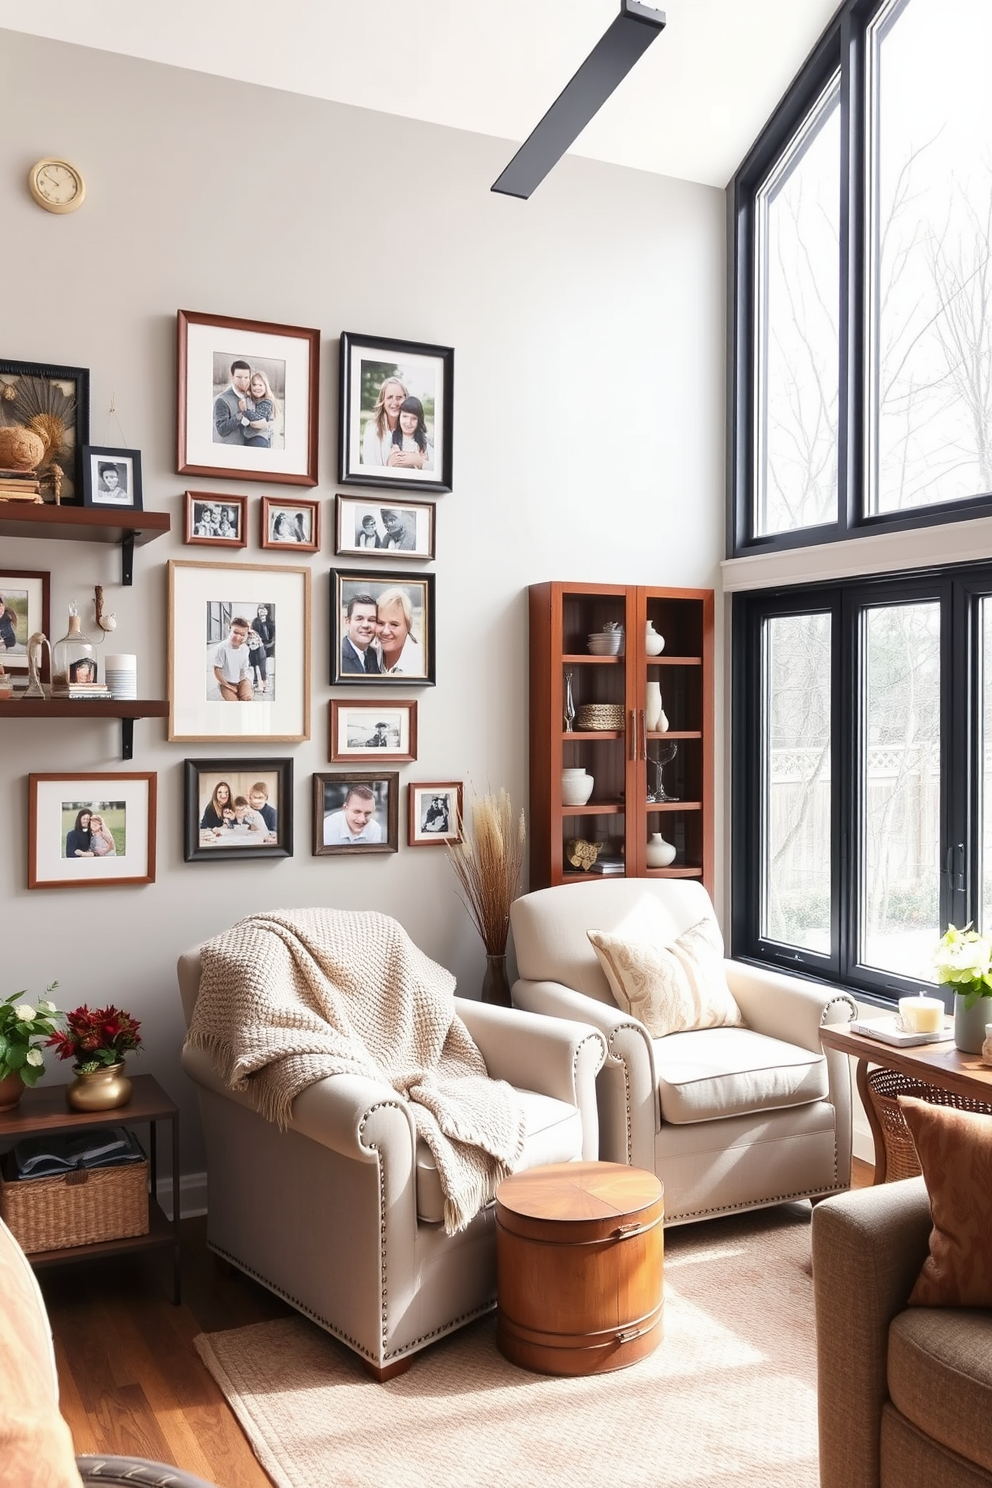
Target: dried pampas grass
x=488 y=864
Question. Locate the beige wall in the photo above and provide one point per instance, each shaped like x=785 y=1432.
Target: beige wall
x=588 y=327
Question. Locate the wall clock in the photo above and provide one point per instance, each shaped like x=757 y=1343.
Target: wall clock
x=56 y=185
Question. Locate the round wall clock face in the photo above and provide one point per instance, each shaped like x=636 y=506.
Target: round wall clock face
x=56 y=185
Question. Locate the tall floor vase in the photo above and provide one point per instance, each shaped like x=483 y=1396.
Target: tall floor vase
x=495 y=987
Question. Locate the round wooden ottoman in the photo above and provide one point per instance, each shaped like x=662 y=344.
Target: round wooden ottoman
x=579 y=1267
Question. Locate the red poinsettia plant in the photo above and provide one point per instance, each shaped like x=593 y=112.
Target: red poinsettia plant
x=96 y=1039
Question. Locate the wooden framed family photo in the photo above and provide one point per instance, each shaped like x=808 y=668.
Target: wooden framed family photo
x=215 y=521
x=401 y=529
x=395 y=423
x=356 y=812
x=91 y=831
x=382 y=628
x=238 y=808
x=290 y=524
x=248 y=399
x=239 y=651
x=59 y=399
x=434 y=813
x=386 y=730
x=24 y=609
x=111 y=477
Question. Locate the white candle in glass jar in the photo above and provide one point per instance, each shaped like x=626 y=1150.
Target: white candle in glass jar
x=921 y=1014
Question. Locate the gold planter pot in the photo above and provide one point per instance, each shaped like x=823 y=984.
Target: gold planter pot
x=100 y=1090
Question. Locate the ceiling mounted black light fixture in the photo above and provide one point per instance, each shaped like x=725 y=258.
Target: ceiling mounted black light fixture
x=609 y=62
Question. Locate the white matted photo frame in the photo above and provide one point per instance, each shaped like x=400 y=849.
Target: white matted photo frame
x=248 y=399
x=356 y=812
x=290 y=524
x=111 y=477
x=395 y=425
x=24 y=609
x=434 y=813
x=383 y=730
x=400 y=529
x=239 y=651
x=382 y=628
x=216 y=521
x=91 y=831
x=238 y=808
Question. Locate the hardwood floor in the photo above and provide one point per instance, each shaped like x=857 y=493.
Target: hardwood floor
x=131 y=1381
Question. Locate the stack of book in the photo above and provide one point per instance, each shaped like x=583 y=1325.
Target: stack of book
x=20 y=485
x=607 y=864
x=81 y=690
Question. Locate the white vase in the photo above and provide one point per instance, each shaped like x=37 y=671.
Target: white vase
x=652 y=707
x=654 y=643
x=969 y=1023
x=659 y=852
x=576 y=787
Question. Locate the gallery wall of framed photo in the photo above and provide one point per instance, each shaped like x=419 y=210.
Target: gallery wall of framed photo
x=527 y=361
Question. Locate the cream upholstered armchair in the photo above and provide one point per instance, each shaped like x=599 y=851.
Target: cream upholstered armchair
x=728 y=1117
x=342 y=1214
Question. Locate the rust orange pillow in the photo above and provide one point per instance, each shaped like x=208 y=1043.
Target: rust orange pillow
x=955 y=1152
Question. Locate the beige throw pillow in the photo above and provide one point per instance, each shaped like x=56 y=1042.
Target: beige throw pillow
x=670 y=988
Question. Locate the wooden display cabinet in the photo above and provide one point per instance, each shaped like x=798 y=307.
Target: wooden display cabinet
x=619 y=816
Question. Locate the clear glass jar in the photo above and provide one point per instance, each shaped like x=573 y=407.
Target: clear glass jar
x=74 y=656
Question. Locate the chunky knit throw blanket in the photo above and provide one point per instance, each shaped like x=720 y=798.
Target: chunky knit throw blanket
x=289 y=997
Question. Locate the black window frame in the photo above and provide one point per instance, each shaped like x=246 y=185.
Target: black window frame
x=843 y=47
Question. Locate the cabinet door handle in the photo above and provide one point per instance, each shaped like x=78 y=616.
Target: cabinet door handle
x=632 y=730
x=644 y=734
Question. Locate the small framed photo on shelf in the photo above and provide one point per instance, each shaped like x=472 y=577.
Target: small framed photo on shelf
x=111 y=477
x=395 y=418
x=382 y=628
x=248 y=399
x=404 y=529
x=239 y=651
x=219 y=521
x=434 y=811
x=356 y=813
x=290 y=524
x=238 y=808
x=385 y=730
x=91 y=831
x=59 y=398
x=24 y=609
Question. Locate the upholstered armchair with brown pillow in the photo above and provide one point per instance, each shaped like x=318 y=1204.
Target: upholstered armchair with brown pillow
x=715 y=1079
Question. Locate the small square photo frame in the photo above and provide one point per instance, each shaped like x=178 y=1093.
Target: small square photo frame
x=382 y=628
x=25 y=601
x=244 y=432
x=377 y=446
x=384 y=730
x=216 y=521
x=390 y=529
x=434 y=813
x=111 y=478
x=356 y=812
x=66 y=848
x=238 y=808
x=290 y=524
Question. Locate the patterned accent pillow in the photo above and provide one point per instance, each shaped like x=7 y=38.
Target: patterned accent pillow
x=955 y=1152
x=670 y=988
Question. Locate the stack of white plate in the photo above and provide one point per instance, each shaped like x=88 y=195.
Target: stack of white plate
x=606 y=642
x=121 y=676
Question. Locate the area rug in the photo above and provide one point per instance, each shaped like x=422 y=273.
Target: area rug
x=728 y=1397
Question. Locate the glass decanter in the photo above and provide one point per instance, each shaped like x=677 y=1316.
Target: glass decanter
x=74 y=656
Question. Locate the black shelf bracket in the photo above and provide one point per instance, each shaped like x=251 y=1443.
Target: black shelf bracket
x=127 y=738
x=127 y=565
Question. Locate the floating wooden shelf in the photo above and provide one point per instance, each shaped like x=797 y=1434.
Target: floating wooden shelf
x=126 y=709
x=85 y=524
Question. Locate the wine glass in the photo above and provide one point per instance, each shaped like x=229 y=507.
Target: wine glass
x=656 y=764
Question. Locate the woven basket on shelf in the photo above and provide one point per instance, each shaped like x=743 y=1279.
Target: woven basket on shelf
x=600 y=716
x=884 y=1086
x=78 y=1208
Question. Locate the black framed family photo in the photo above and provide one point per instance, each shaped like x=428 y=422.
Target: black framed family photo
x=382 y=628
x=238 y=808
x=111 y=477
x=248 y=399
x=395 y=421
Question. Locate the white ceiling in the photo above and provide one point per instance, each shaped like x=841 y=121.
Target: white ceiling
x=690 y=108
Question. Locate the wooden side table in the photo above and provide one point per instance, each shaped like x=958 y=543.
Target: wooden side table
x=579 y=1267
x=45 y=1110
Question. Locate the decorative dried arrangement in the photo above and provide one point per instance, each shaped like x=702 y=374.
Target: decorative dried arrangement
x=487 y=862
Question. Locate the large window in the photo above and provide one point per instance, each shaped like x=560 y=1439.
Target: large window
x=864 y=283
x=863 y=774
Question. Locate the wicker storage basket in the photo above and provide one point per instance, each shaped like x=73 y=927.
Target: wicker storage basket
x=884 y=1088
x=78 y=1208
x=600 y=716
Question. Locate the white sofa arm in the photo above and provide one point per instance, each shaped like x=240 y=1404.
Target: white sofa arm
x=348 y=1113
x=533 y=1052
x=787 y=1007
x=629 y=1113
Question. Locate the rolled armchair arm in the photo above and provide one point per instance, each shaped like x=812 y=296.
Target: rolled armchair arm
x=868 y=1246
x=553 y=1056
x=787 y=1007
